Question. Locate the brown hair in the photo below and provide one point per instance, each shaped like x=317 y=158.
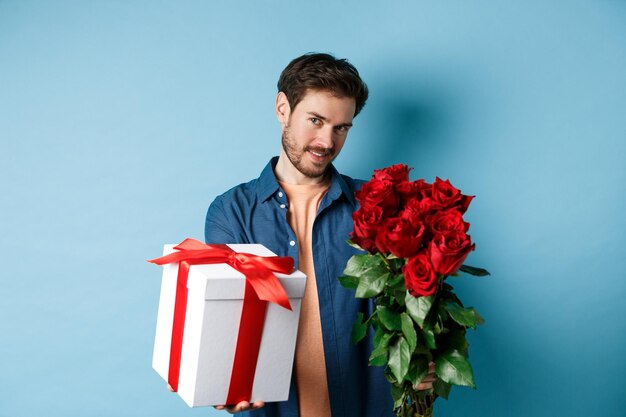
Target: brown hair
x=324 y=72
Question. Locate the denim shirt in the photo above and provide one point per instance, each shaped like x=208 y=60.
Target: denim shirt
x=256 y=212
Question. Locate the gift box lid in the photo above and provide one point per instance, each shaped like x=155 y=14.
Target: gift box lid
x=223 y=282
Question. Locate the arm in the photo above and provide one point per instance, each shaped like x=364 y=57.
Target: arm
x=217 y=228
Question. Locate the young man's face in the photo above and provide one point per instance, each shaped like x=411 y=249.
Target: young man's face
x=314 y=132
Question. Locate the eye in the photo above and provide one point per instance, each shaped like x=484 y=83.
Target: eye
x=316 y=121
x=342 y=129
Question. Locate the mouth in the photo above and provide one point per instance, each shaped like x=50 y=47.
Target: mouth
x=320 y=154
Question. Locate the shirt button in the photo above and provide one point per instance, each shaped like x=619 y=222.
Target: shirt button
x=280 y=193
x=292 y=243
x=282 y=206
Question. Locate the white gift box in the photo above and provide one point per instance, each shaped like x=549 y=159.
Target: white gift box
x=214 y=305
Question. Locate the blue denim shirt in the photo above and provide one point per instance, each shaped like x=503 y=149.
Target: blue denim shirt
x=256 y=212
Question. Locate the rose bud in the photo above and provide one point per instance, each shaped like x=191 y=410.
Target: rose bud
x=400 y=236
x=419 y=277
x=449 y=250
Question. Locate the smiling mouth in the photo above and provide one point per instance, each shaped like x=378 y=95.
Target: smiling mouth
x=320 y=152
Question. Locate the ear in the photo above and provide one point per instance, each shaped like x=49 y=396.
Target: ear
x=283 y=110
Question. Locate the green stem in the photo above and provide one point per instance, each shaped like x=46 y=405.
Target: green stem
x=386 y=261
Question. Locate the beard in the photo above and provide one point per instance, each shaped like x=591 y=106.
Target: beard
x=296 y=156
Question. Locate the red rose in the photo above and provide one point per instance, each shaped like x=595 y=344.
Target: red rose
x=400 y=236
x=378 y=193
x=408 y=191
x=411 y=211
x=367 y=220
x=419 y=277
x=463 y=203
x=449 y=250
x=444 y=193
x=446 y=221
x=426 y=190
x=448 y=196
x=420 y=208
x=394 y=173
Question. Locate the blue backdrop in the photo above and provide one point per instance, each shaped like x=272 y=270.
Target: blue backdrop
x=121 y=121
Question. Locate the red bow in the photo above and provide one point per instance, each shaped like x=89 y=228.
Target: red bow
x=261 y=284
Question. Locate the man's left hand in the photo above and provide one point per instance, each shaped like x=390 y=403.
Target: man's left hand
x=427 y=382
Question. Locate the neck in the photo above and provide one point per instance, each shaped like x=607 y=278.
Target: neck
x=286 y=172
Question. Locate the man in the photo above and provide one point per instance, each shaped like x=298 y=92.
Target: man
x=300 y=206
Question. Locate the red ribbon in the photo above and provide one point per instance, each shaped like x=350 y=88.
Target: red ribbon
x=261 y=286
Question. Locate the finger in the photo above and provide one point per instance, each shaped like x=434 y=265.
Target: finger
x=258 y=404
x=218 y=407
x=242 y=406
x=422 y=386
x=431 y=367
x=169 y=387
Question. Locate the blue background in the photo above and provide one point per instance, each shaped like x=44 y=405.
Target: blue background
x=120 y=121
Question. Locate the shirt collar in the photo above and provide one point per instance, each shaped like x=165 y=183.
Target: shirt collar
x=267 y=181
x=268 y=185
x=338 y=186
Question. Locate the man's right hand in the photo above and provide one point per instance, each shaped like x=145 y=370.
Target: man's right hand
x=233 y=409
x=242 y=406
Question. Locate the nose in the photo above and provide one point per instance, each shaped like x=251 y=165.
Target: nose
x=326 y=138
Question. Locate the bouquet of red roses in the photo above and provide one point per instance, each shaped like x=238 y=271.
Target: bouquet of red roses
x=415 y=237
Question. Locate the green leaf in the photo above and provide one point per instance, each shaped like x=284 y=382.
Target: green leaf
x=479 y=272
x=396 y=263
x=354 y=245
x=479 y=318
x=454 y=339
x=358 y=329
x=438 y=327
x=429 y=337
x=359 y=265
x=379 y=355
x=441 y=388
x=389 y=376
x=464 y=316
x=418 y=369
x=449 y=295
x=349 y=282
x=397 y=394
x=371 y=271
x=455 y=369
x=408 y=331
x=380 y=359
x=399 y=296
x=356 y=265
x=399 y=358
x=418 y=307
x=422 y=350
x=371 y=285
x=389 y=318
x=378 y=333
x=396 y=282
